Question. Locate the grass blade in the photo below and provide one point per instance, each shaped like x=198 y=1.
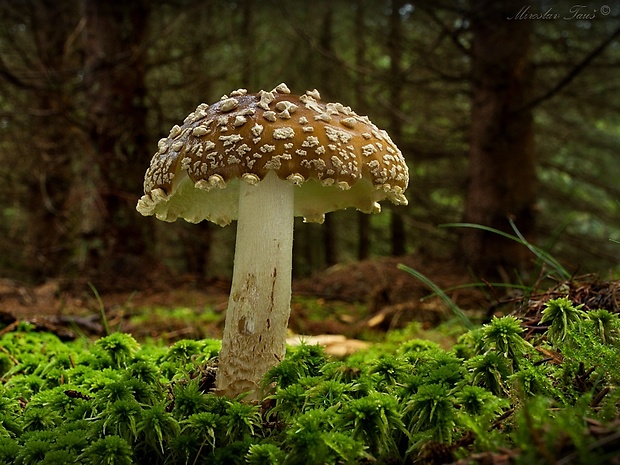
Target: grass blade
x=437 y=290
x=104 y=318
x=537 y=251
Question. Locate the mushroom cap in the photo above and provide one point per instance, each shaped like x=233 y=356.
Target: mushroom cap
x=335 y=158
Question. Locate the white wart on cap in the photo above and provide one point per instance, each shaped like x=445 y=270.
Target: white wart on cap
x=335 y=158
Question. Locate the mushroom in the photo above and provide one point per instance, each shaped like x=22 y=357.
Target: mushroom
x=262 y=159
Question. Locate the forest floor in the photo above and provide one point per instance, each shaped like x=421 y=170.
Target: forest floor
x=360 y=300
x=354 y=300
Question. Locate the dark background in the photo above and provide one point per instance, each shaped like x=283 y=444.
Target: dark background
x=504 y=111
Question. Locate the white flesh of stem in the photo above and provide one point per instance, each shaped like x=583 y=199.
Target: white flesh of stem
x=254 y=337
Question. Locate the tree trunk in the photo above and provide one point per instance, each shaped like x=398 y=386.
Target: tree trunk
x=114 y=36
x=47 y=237
x=397 y=231
x=249 y=46
x=395 y=50
x=363 y=236
x=363 y=219
x=502 y=171
x=330 y=238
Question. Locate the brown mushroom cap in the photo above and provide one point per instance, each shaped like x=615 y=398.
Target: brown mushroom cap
x=336 y=158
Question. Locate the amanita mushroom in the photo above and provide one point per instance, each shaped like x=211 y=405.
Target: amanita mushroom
x=261 y=159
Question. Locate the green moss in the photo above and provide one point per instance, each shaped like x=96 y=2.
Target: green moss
x=400 y=401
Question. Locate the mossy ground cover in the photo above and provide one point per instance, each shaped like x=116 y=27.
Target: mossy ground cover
x=491 y=396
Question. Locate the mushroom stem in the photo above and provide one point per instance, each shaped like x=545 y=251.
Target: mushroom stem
x=254 y=337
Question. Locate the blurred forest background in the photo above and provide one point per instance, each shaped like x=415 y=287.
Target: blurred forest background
x=501 y=115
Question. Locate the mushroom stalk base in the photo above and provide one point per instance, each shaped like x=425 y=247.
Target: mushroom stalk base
x=254 y=337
